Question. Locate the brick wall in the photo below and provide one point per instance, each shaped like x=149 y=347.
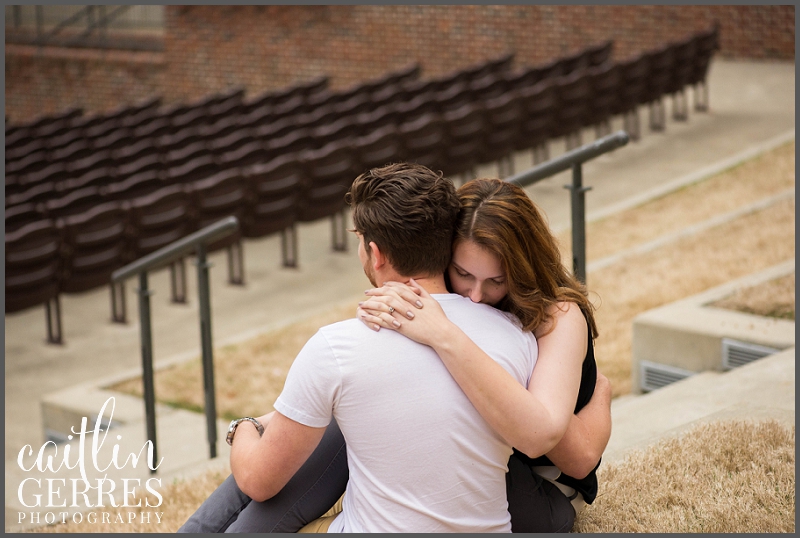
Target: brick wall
x=52 y=79
x=267 y=47
x=212 y=48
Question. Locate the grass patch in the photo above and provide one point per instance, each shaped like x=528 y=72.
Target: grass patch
x=731 y=476
x=248 y=376
x=722 y=477
x=774 y=299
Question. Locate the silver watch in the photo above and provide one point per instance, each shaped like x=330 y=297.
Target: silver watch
x=235 y=423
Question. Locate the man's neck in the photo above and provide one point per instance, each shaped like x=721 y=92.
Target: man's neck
x=433 y=284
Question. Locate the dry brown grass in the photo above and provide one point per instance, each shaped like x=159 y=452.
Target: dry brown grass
x=753 y=180
x=774 y=298
x=719 y=477
x=248 y=376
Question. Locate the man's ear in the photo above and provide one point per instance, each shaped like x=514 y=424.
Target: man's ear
x=378 y=257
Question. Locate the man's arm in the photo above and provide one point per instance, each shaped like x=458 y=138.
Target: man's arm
x=262 y=465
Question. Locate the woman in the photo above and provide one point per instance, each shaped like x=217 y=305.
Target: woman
x=504 y=255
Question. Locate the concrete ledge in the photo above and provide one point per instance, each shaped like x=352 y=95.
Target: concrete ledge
x=759 y=390
x=686 y=336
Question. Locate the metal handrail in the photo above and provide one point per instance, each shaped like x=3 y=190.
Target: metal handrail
x=196 y=242
x=574 y=159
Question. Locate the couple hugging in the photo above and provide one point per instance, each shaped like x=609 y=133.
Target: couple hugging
x=465 y=396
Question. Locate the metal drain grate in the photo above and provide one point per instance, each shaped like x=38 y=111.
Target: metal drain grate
x=654 y=376
x=736 y=353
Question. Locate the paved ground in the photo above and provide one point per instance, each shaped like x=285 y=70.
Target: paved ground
x=752 y=108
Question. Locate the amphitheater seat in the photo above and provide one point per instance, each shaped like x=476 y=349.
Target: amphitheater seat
x=156 y=128
x=33 y=271
x=490 y=86
x=94 y=245
x=137 y=150
x=382 y=145
x=503 y=126
x=454 y=96
x=340 y=130
x=572 y=114
x=20 y=151
x=97 y=159
x=465 y=128
x=293 y=142
x=182 y=155
x=217 y=197
x=116 y=138
x=230 y=142
x=662 y=66
x=95 y=177
x=329 y=172
x=195 y=117
x=74 y=202
x=74 y=151
x=63 y=140
x=139 y=184
x=318 y=117
x=222 y=126
x=540 y=106
x=179 y=139
x=706 y=43
x=99 y=131
x=274 y=189
x=249 y=153
x=292 y=107
x=36 y=193
x=156 y=220
x=192 y=170
x=140 y=119
x=20 y=215
x=425 y=140
x=633 y=84
x=30 y=162
x=141 y=164
x=605 y=82
x=683 y=68
x=383 y=116
x=54 y=172
x=420 y=105
x=271 y=98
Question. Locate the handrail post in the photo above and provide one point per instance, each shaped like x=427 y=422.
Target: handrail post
x=147 y=362
x=578 y=203
x=204 y=300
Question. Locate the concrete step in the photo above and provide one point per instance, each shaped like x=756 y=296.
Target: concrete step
x=759 y=390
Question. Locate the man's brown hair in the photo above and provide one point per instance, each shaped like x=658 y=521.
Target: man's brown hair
x=409 y=211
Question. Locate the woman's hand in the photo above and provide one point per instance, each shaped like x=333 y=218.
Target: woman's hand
x=407 y=309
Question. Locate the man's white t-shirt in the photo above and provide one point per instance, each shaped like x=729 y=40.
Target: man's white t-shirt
x=421 y=458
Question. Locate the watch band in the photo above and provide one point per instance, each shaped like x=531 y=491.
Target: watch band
x=235 y=423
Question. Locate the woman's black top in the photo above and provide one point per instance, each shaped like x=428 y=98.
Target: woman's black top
x=588 y=485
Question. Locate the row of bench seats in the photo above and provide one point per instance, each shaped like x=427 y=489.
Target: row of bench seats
x=266 y=129
x=494 y=115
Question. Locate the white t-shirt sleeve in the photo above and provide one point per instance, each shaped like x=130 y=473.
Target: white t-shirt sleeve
x=312 y=385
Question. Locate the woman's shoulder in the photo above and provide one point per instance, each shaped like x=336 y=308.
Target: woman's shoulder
x=565 y=313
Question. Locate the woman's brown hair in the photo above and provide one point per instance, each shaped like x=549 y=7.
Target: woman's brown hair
x=500 y=217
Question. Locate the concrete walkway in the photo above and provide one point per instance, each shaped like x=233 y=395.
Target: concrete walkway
x=752 y=110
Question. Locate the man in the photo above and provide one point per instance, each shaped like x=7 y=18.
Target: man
x=420 y=457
